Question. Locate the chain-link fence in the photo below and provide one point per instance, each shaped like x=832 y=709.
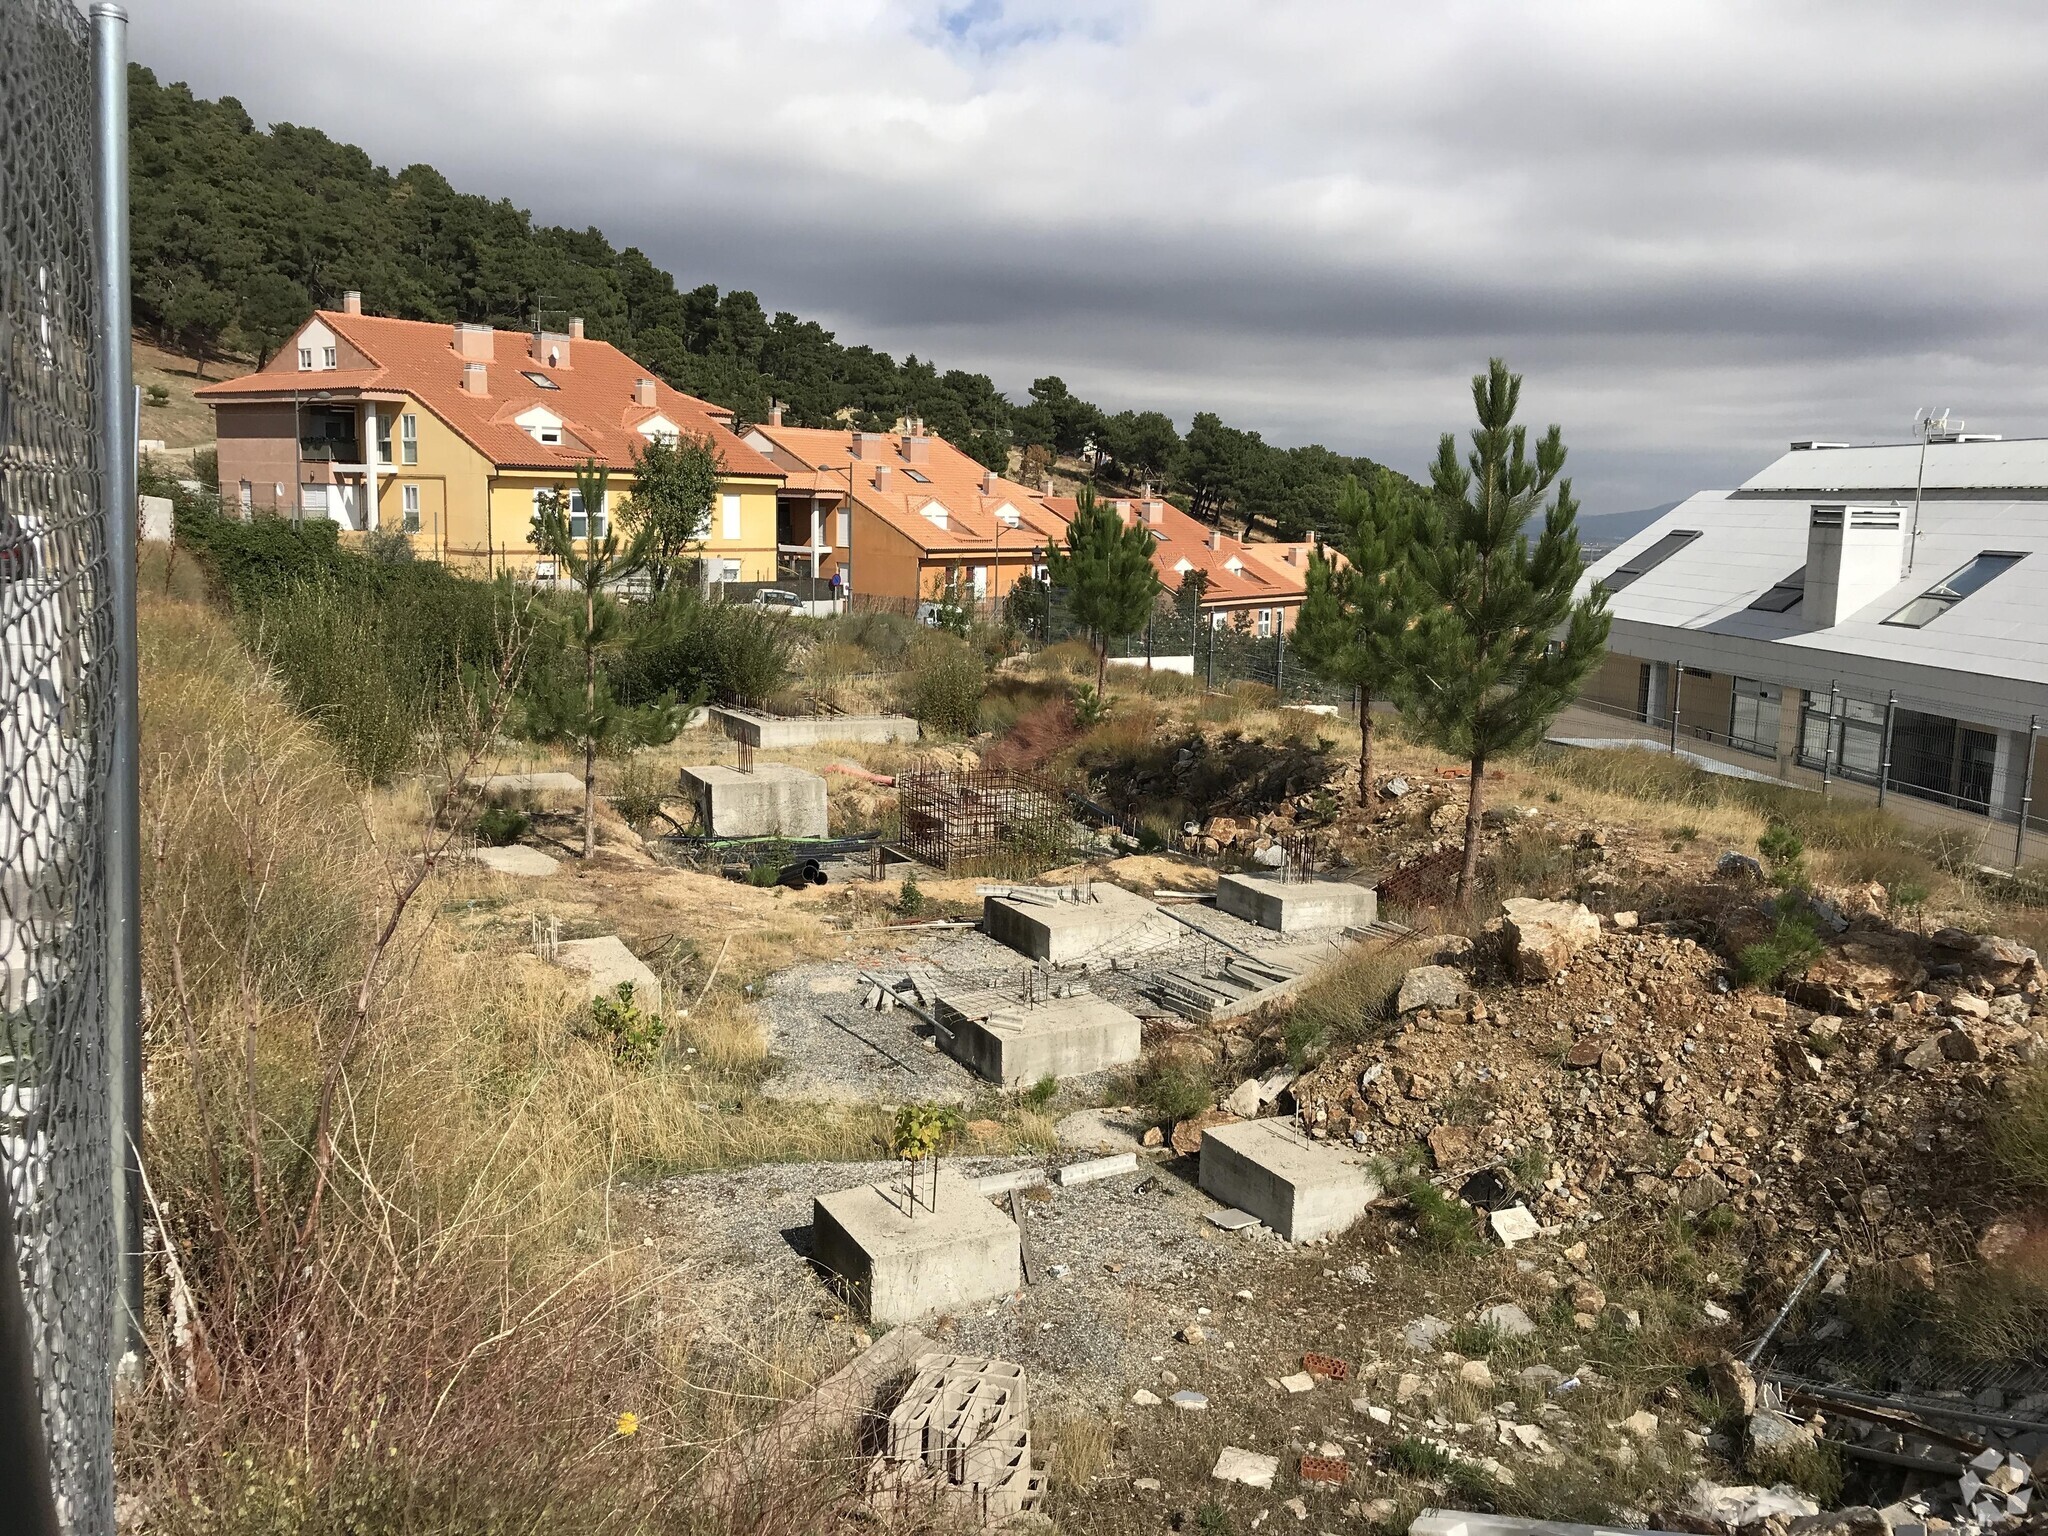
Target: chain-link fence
x=56 y=717
x=1219 y=648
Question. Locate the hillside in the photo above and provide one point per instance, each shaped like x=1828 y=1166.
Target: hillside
x=239 y=232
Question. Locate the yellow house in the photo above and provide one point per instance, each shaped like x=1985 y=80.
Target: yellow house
x=450 y=433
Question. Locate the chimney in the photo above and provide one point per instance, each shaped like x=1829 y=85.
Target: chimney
x=883 y=476
x=917 y=448
x=550 y=349
x=1852 y=558
x=867 y=445
x=988 y=482
x=475 y=343
x=775 y=413
x=576 y=328
x=1155 y=511
x=1215 y=538
x=476 y=379
x=643 y=392
x=352 y=302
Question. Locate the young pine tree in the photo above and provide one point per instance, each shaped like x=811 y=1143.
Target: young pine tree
x=1499 y=645
x=574 y=704
x=1354 y=624
x=1106 y=569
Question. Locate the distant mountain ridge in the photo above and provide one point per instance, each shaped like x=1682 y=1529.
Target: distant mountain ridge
x=1606 y=530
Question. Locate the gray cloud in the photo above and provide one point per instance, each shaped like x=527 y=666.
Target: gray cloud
x=1699 y=230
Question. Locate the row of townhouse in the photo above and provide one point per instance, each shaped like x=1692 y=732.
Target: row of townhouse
x=451 y=433
x=1872 y=614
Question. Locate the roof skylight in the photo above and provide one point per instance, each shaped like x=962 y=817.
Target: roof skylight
x=1785 y=596
x=1649 y=559
x=539 y=378
x=1953 y=588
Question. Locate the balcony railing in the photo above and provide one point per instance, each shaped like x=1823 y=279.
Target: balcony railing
x=330 y=450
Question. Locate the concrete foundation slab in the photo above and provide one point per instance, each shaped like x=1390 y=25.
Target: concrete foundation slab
x=779 y=731
x=775 y=800
x=899 y=1262
x=1298 y=1187
x=605 y=963
x=1063 y=924
x=517 y=859
x=1296 y=906
x=530 y=789
x=1016 y=1043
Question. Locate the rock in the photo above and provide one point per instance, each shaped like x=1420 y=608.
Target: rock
x=1928 y=1053
x=1774 y=1434
x=1588 y=1297
x=1957 y=1046
x=1147 y=1484
x=1915 y=1269
x=514 y=859
x=1584 y=1053
x=1507 y=1320
x=1452 y=1146
x=1432 y=986
x=1372 y=1410
x=1244 y=1099
x=2000 y=1239
x=1476 y=1373
x=1546 y=936
x=1967 y=1005
x=1247 y=1467
x=1194 y=1333
x=1407 y=1387
x=1514 y=1225
x=1738 y=866
x=1733 y=1385
x=1394 y=789
x=1642 y=1424
x=1146 y=1399
x=1745 y=1504
x=1768 y=1008
x=1300 y=1381
x=1186 y=1138
x=1189 y=1402
x=1153 y=1137
x=1271 y=857
x=1538 y=1378
x=1627 y=922
x=1425 y=1333
x=1446 y=818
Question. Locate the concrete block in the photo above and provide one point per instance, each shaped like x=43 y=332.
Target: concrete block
x=785 y=731
x=899 y=1263
x=604 y=963
x=1298 y=1187
x=1096 y=1168
x=1016 y=1044
x=1048 y=922
x=775 y=800
x=516 y=859
x=1297 y=906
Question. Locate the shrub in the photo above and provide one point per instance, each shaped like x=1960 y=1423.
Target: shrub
x=1442 y=1225
x=1042 y=1092
x=1793 y=945
x=924 y=1130
x=945 y=683
x=631 y=1034
x=206 y=468
x=679 y=646
x=1174 y=1090
x=2019 y=1136
x=1783 y=850
x=909 y=898
x=388 y=546
x=157 y=394
x=500 y=826
x=1089 y=706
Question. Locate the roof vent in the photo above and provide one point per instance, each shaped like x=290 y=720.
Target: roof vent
x=1852 y=559
x=883 y=476
x=476 y=379
x=1809 y=444
x=643 y=392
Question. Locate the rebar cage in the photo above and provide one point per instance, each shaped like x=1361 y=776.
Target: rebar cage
x=993 y=821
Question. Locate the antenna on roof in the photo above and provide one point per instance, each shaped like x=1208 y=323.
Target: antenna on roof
x=1929 y=428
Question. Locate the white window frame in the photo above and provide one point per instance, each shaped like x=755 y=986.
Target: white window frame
x=248 y=495
x=729 y=517
x=549 y=437
x=305 y=359
x=409 y=438
x=1265 y=623
x=409 y=499
x=730 y=570
x=845 y=527
x=327 y=358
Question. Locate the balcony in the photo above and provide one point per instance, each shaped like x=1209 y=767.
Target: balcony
x=330 y=450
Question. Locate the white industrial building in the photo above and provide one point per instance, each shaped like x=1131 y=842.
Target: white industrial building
x=1851 y=613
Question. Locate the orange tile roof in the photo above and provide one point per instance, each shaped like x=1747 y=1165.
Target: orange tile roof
x=1264 y=574
x=594 y=397
x=972 y=499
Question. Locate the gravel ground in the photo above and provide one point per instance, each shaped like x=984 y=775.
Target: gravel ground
x=818 y=1059
x=1137 y=1257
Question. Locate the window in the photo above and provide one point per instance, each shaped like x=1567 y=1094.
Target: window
x=1753 y=716
x=539 y=378
x=549 y=435
x=305 y=359
x=1265 y=623
x=730 y=570
x=409 y=438
x=412 y=507
x=1648 y=560
x=1785 y=596
x=327 y=357
x=384 y=440
x=981 y=581
x=313 y=498
x=921 y=479
x=845 y=527
x=729 y=517
x=1952 y=589
x=248 y=493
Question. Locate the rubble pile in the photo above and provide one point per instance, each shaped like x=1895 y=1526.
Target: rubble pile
x=1565 y=1062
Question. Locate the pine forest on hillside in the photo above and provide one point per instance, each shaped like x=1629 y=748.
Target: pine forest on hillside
x=239 y=232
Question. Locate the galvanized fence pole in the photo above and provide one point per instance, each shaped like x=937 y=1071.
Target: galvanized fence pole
x=2019 y=841
x=1884 y=758
x=1827 y=746
x=124 y=808
x=1677 y=687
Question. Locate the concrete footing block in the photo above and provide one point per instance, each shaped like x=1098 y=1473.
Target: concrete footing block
x=775 y=800
x=1298 y=1187
x=776 y=732
x=899 y=1262
x=1017 y=1044
x=1296 y=906
x=606 y=962
x=1064 y=924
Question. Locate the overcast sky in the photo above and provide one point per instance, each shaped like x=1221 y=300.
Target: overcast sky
x=1698 y=227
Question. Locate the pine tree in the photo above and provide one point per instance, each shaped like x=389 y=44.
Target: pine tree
x=1106 y=569
x=1499 y=645
x=1354 y=626
x=581 y=711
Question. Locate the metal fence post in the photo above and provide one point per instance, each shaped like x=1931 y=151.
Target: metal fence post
x=1677 y=687
x=1280 y=659
x=1884 y=757
x=1210 y=686
x=1827 y=746
x=2019 y=842
x=124 y=808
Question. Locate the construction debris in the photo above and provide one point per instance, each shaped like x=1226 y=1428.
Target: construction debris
x=959 y=1441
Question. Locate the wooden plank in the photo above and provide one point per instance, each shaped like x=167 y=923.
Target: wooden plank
x=1025 y=1250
